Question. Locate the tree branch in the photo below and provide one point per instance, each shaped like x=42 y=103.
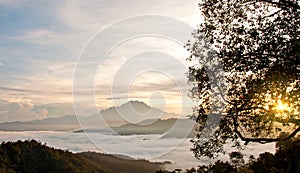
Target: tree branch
x=250 y=108
x=266 y=140
x=273 y=14
x=284 y=3
x=260 y=140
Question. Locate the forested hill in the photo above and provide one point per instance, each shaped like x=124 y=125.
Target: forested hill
x=34 y=157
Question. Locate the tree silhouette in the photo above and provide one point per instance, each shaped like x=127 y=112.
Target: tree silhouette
x=285 y=160
x=256 y=43
x=236 y=160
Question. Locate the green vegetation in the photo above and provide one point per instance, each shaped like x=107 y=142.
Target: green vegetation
x=34 y=157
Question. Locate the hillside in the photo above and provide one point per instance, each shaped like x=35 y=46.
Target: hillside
x=32 y=156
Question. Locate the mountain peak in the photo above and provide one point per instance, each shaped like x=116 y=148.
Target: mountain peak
x=135 y=103
x=137 y=106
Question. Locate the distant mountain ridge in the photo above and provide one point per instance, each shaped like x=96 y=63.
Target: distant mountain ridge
x=130 y=112
x=173 y=127
x=167 y=128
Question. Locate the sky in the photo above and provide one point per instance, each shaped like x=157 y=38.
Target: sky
x=93 y=55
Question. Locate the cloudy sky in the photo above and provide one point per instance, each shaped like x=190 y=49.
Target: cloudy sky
x=114 y=51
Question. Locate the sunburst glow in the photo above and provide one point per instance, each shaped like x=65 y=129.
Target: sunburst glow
x=281 y=106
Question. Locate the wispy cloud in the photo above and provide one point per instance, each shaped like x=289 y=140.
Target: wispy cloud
x=79 y=14
x=41 y=37
x=40 y=48
x=35 y=91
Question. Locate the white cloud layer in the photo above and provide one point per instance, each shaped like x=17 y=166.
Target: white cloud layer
x=20 y=111
x=135 y=147
x=24 y=110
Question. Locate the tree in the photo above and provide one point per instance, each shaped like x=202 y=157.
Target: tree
x=217 y=167
x=286 y=158
x=236 y=159
x=256 y=45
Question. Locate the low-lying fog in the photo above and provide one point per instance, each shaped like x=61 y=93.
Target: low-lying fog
x=150 y=147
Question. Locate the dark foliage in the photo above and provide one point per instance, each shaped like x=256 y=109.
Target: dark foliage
x=247 y=69
x=285 y=160
x=34 y=157
x=119 y=164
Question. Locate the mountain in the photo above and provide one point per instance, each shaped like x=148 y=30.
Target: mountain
x=130 y=112
x=32 y=156
x=172 y=127
x=65 y=123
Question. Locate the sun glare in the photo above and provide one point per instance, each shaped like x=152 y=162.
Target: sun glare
x=281 y=106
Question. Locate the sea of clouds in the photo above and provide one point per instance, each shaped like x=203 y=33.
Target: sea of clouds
x=150 y=147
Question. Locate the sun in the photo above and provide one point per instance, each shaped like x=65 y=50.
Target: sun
x=281 y=106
